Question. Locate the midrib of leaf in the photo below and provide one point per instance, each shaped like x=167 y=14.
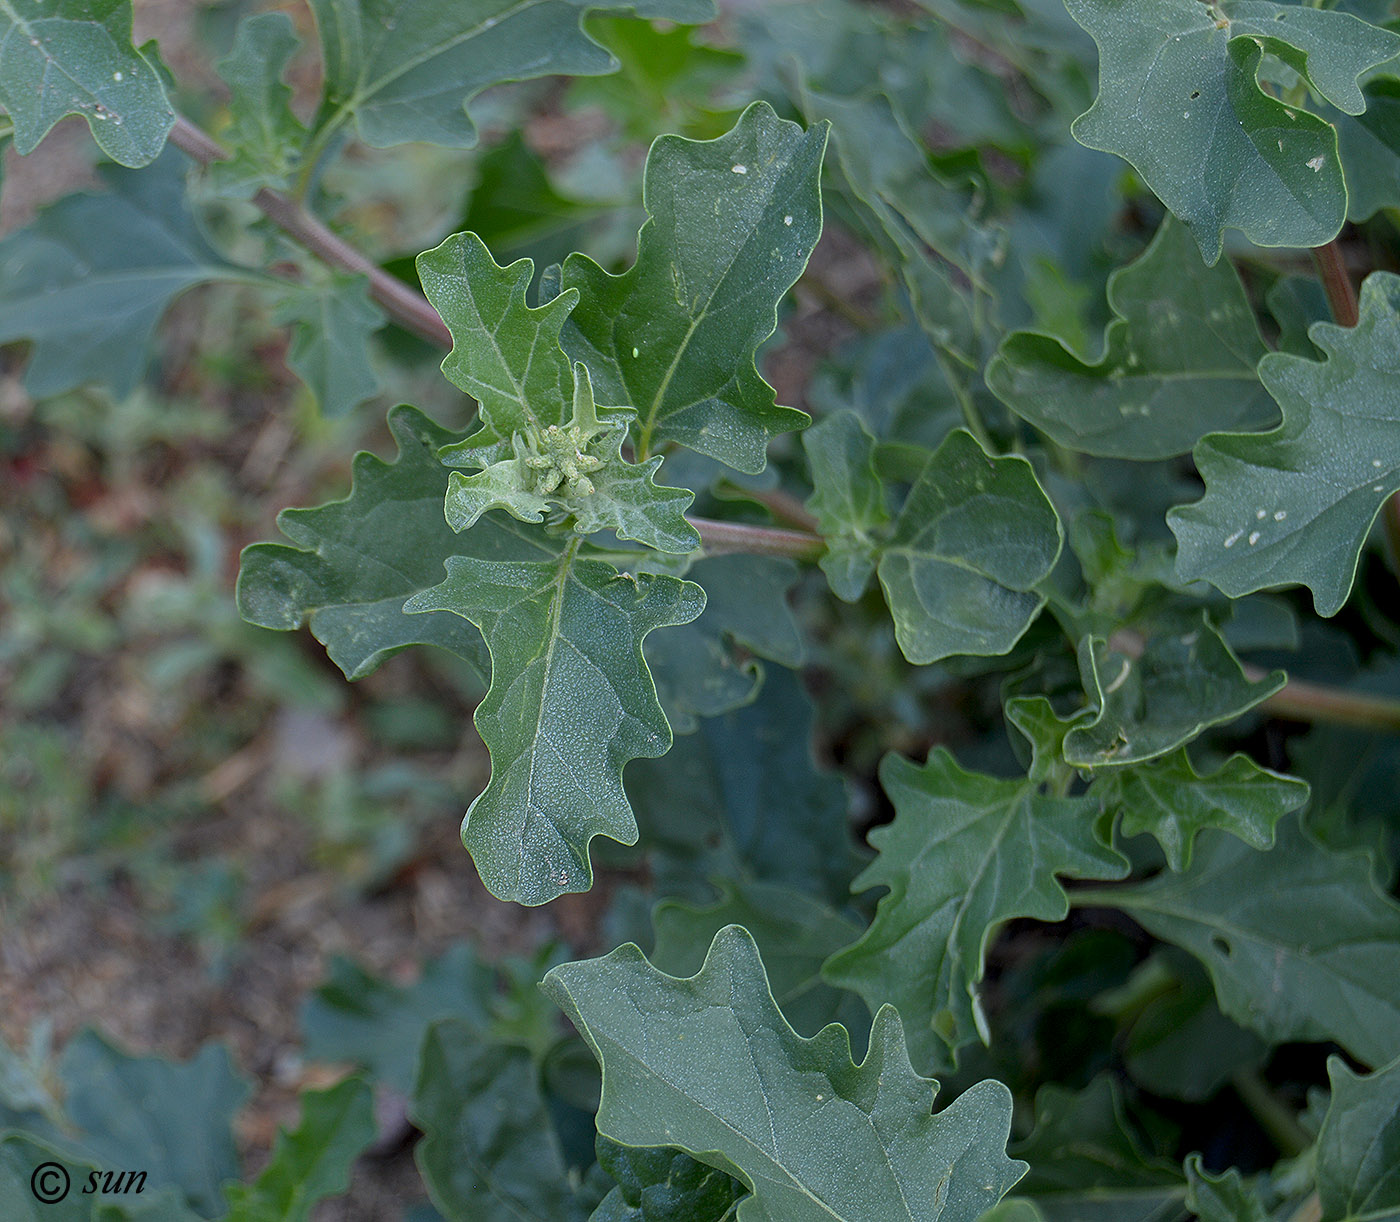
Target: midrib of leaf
x=28 y=32
x=556 y=612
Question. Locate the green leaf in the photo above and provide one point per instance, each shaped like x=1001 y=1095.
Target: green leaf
x=795 y=933
x=848 y=500
x=1179 y=99
x=174 y=1121
x=1370 y=149
x=662 y=1185
x=1294 y=506
x=264 y=137
x=489 y=1150
x=379 y=1026
x=731 y=224
x=1221 y=1198
x=1299 y=943
x=313 y=1162
x=1170 y=800
x=1178 y=361
x=333 y=319
x=975 y=536
x=965 y=853
x=1358 y=1149
x=74 y=57
x=704 y=669
x=87 y=282
x=756 y=806
x=708 y=1065
x=410 y=72
x=1087 y=1164
x=571 y=702
x=354 y=562
x=1153 y=701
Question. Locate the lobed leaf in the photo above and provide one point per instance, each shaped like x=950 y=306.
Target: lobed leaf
x=1173 y=802
x=1178 y=361
x=409 y=71
x=74 y=57
x=1294 y=505
x=87 y=282
x=848 y=500
x=333 y=319
x=1298 y=941
x=313 y=1161
x=264 y=137
x=354 y=562
x=965 y=853
x=662 y=1185
x=732 y=222
x=1358 y=1149
x=974 y=538
x=571 y=702
x=708 y=1065
x=1180 y=100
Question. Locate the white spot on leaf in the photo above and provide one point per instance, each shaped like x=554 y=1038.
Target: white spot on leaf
x=740 y=169
x=1253 y=537
x=1316 y=163
x=1235 y=538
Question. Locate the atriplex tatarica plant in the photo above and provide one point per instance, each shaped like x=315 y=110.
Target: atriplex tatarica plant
x=1104 y=402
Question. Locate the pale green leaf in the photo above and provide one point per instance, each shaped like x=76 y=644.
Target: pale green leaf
x=332 y=319
x=88 y=280
x=1294 y=506
x=1179 y=99
x=1087 y=1164
x=974 y=538
x=708 y=667
x=489 y=1151
x=1358 y=1149
x=848 y=500
x=313 y=1161
x=965 y=854
x=731 y=224
x=1178 y=361
x=1298 y=941
x=708 y=1065
x=1170 y=800
x=263 y=137
x=662 y=1185
x=794 y=932
x=1155 y=698
x=74 y=57
x=405 y=72
x=354 y=562
x=571 y=702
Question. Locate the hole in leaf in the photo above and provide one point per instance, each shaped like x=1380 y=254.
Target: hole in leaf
x=1220 y=945
x=1195 y=93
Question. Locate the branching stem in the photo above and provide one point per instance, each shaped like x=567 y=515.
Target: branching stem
x=401 y=302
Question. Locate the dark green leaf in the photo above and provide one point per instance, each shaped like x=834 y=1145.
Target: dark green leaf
x=661 y=1185
x=407 y=72
x=732 y=223
x=975 y=536
x=1299 y=943
x=1358 y=1149
x=312 y=1162
x=1170 y=800
x=1221 y=1198
x=571 y=702
x=1179 y=99
x=356 y=561
x=965 y=853
x=1178 y=361
x=74 y=57
x=708 y=1065
x=1293 y=506
x=489 y=1151
x=87 y=282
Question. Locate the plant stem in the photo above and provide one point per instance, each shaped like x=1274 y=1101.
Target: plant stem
x=401 y=302
x=783 y=506
x=721 y=538
x=1301 y=701
x=1275 y=1117
x=1341 y=294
